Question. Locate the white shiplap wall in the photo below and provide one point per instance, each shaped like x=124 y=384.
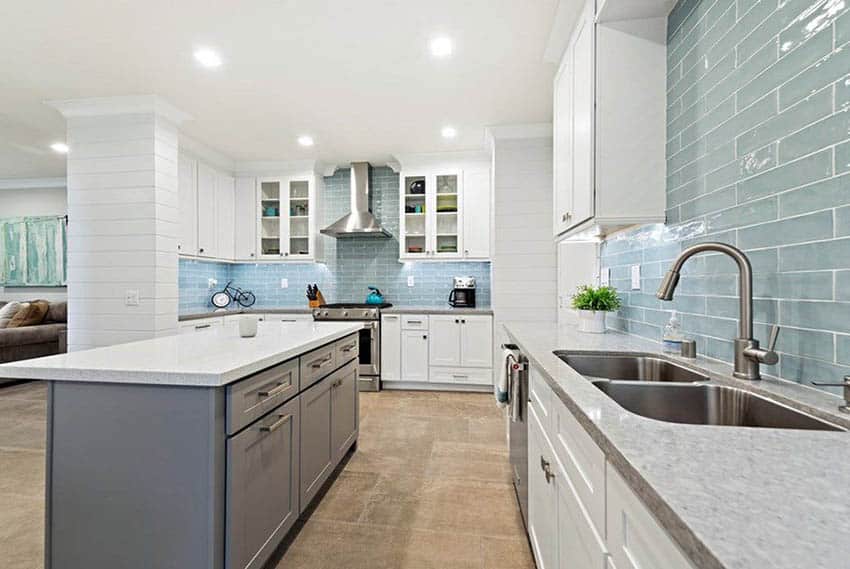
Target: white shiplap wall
x=122 y=234
x=524 y=259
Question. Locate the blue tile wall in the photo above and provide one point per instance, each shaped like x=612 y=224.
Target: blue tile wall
x=758 y=156
x=351 y=265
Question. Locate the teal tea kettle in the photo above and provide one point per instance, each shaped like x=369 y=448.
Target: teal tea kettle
x=375 y=296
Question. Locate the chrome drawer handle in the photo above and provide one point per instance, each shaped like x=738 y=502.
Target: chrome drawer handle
x=347 y=349
x=281 y=387
x=322 y=363
x=276 y=425
x=202 y=326
x=547 y=469
x=337 y=383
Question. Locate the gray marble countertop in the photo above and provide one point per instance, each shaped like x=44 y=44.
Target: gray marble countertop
x=436 y=310
x=211 y=314
x=731 y=497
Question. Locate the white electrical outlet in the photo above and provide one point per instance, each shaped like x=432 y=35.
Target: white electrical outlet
x=605 y=276
x=284 y=283
x=635 y=277
x=131 y=298
x=411 y=281
x=211 y=283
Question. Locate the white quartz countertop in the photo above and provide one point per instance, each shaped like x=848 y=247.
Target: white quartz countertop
x=731 y=497
x=211 y=358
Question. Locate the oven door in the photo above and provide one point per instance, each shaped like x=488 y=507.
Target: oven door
x=370 y=350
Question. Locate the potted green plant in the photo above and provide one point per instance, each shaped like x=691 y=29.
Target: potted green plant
x=592 y=304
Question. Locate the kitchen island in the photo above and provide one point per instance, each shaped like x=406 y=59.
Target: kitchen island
x=193 y=451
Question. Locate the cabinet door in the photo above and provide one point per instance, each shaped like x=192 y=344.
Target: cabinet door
x=344 y=409
x=635 y=540
x=476 y=341
x=187 y=190
x=317 y=451
x=583 y=118
x=391 y=347
x=295 y=217
x=207 y=240
x=414 y=238
x=542 y=497
x=579 y=546
x=476 y=215
x=446 y=215
x=445 y=340
x=262 y=486
x=224 y=203
x=269 y=227
x=563 y=143
x=245 y=219
x=414 y=355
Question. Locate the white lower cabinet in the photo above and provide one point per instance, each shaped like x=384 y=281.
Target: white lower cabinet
x=439 y=348
x=414 y=355
x=581 y=513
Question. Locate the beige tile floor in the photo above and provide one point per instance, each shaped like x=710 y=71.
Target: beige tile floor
x=428 y=488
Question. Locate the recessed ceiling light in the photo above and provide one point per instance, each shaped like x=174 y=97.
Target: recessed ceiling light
x=59 y=147
x=449 y=132
x=305 y=140
x=441 y=47
x=207 y=57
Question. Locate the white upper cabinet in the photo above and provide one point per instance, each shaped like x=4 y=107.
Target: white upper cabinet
x=245 y=219
x=207 y=239
x=445 y=211
x=224 y=214
x=609 y=126
x=187 y=190
x=287 y=218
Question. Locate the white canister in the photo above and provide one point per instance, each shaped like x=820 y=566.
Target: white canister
x=247 y=326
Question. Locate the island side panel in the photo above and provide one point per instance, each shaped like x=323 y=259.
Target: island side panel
x=136 y=477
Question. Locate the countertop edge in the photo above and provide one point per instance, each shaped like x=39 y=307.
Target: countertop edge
x=690 y=544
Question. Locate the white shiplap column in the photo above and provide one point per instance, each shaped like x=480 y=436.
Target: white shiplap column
x=122 y=210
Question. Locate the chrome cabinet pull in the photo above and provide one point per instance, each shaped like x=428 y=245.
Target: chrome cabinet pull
x=547 y=469
x=276 y=425
x=320 y=364
x=281 y=387
x=202 y=326
x=348 y=348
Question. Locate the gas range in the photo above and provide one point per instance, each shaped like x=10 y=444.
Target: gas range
x=349 y=311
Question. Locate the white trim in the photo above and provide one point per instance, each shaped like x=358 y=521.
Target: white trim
x=518 y=131
x=125 y=105
x=426 y=159
x=199 y=150
x=425 y=386
x=278 y=167
x=31 y=183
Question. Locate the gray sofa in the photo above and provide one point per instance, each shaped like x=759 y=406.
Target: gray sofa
x=46 y=339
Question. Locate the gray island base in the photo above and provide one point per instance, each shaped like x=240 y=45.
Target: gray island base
x=194 y=468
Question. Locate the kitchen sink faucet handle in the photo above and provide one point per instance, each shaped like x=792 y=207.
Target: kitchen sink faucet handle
x=774 y=336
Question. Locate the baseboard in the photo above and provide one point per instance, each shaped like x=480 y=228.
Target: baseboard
x=426 y=386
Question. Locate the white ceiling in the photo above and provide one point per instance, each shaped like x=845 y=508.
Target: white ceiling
x=354 y=74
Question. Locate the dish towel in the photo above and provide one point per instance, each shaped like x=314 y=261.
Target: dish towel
x=501 y=391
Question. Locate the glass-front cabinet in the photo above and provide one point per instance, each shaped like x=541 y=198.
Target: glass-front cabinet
x=286 y=218
x=431 y=215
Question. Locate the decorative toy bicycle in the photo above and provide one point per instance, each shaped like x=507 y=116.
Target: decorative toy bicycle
x=229 y=294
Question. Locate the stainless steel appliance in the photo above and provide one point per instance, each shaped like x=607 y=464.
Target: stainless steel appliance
x=463 y=292
x=370 y=336
x=359 y=222
x=518 y=390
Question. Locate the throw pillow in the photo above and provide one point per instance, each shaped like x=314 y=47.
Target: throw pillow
x=7 y=311
x=30 y=314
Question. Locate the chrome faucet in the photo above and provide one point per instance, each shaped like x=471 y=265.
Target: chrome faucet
x=748 y=355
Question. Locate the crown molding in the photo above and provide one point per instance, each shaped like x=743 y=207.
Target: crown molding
x=124 y=105
x=517 y=131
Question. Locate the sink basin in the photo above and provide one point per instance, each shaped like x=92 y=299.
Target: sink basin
x=629 y=367
x=708 y=405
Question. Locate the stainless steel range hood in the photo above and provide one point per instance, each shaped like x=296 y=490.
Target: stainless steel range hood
x=359 y=222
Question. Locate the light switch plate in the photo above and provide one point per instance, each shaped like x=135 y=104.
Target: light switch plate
x=131 y=298
x=411 y=281
x=605 y=276
x=284 y=283
x=635 y=277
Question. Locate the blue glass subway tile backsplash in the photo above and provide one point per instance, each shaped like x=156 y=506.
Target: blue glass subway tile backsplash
x=351 y=265
x=758 y=154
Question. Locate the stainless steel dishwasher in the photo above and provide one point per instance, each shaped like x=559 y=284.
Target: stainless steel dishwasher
x=518 y=433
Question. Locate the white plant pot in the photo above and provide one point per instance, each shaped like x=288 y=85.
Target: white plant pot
x=591 y=321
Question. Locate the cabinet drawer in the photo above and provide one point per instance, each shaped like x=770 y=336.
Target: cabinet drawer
x=477 y=376
x=288 y=318
x=414 y=322
x=254 y=396
x=540 y=396
x=317 y=364
x=580 y=543
x=583 y=461
x=635 y=539
x=200 y=325
x=347 y=349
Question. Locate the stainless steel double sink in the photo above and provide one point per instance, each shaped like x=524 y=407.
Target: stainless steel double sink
x=659 y=388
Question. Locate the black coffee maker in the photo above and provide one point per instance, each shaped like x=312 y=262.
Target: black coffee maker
x=463 y=292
